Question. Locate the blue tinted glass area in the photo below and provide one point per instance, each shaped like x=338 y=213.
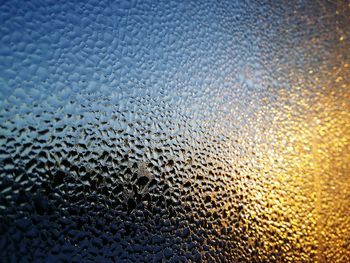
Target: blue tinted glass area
x=167 y=131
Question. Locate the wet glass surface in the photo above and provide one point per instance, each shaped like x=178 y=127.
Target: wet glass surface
x=174 y=131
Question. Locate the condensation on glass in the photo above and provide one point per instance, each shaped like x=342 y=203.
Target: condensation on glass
x=174 y=131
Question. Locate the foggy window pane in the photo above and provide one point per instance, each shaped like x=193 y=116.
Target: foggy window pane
x=174 y=131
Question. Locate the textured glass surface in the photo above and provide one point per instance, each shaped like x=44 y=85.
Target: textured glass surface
x=188 y=131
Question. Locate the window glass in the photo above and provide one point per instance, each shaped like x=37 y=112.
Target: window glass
x=213 y=131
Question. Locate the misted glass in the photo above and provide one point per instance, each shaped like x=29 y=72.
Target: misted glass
x=191 y=131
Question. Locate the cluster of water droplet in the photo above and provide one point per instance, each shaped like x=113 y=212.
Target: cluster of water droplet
x=142 y=131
